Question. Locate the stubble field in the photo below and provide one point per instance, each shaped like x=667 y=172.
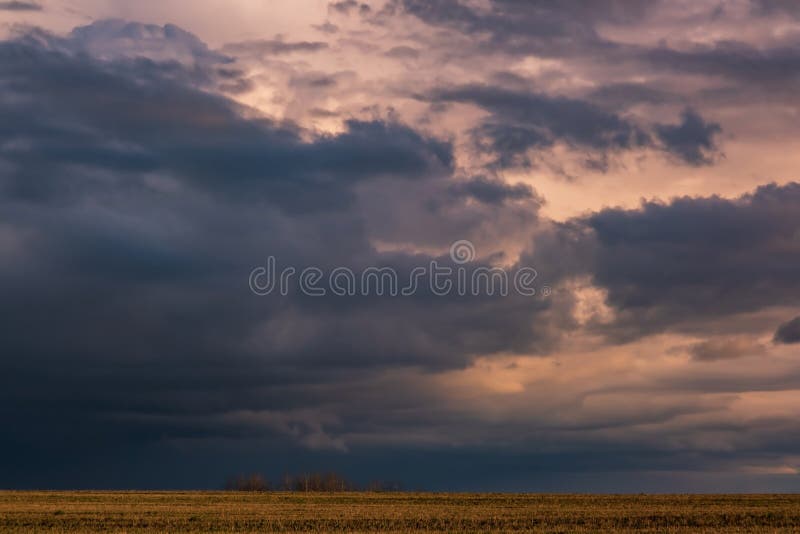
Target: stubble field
x=150 y=512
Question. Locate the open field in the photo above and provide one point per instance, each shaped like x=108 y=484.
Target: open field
x=392 y=512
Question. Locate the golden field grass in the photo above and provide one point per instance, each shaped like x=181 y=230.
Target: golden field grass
x=150 y=512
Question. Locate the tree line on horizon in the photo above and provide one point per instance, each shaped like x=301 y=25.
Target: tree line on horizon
x=306 y=482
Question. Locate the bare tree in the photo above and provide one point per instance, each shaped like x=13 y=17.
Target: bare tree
x=307 y=482
x=252 y=482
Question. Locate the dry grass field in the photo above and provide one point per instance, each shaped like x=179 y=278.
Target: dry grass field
x=150 y=512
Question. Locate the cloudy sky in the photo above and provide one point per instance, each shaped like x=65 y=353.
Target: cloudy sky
x=639 y=156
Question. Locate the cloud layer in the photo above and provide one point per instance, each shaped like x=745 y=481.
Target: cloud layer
x=145 y=171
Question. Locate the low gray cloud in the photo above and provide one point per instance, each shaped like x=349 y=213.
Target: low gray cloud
x=326 y=27
x=538 y=27
x=347 y=7
x=735 y=60
x=726 y=349
x=625 y=95
x=584 y=37
x=522 y=120
x=115 y=39
x=273 y=47
x=403 y=52
x=692 y=140
x=17 y=5
x=171 y=121
x=674 y=265
x=788 y=332
x=493 y=191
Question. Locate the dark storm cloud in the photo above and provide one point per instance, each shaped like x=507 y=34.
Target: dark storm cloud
x=20 y=6
x=153 y=119
x=769 y=7
x=168 y=48
x=522 y=120
x=788 y=332
x=115 y=38
x=774 y=66
x=692 y=140
x=492 y=191
x=524 y=27
x=136 y=199
x=572 y=31
x=774 y=7
x=510 y=143
x=679 y=264
x=139 y=201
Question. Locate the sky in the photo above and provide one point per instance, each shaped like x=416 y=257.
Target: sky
x=628 y=166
